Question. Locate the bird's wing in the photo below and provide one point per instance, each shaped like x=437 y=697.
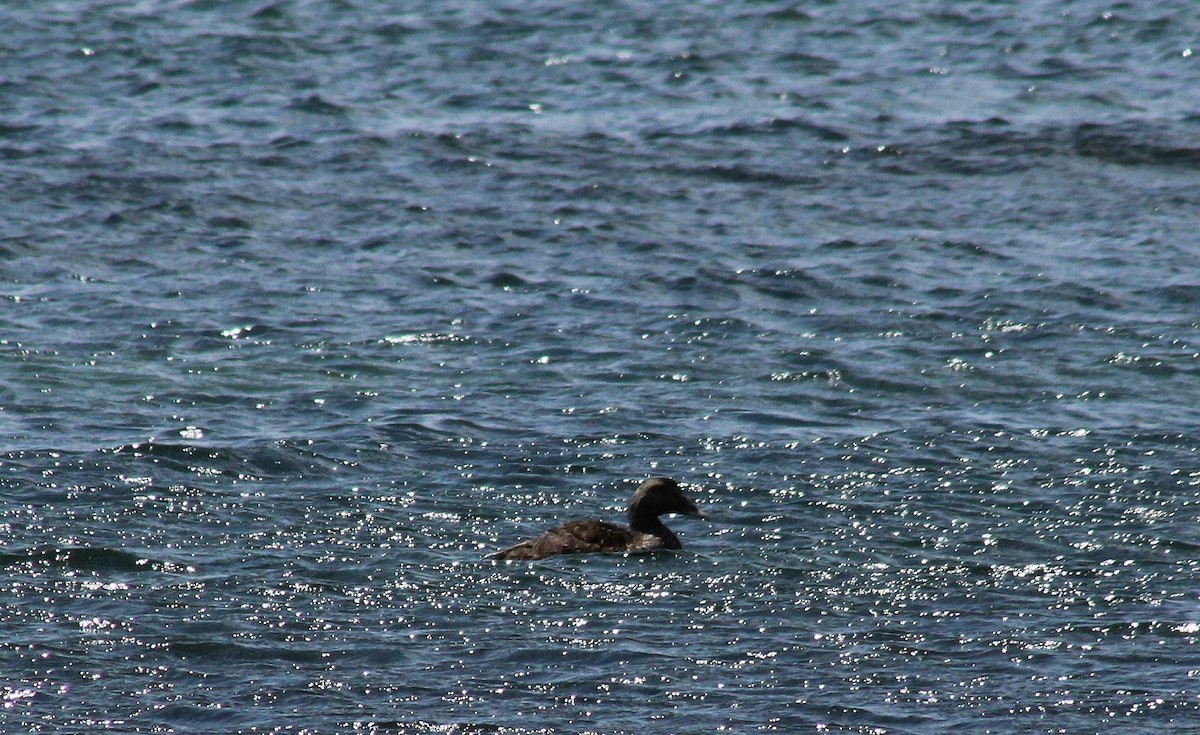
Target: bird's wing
x=583 y=536
x=572 y=537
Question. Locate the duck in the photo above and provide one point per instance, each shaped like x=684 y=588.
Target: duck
x=653 y=498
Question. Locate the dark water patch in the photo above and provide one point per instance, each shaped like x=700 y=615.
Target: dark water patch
x=426 y=425
x=808 y=63
x=289 y=142
x=228 y=222
x=1175 y=294
x=466 y=727
x=790 y=284
x=281 y=458
x=99 y=560
x=743 y=174
x=776 y=126
x=507 y=281
x=1083 y=295
x=836 y=245
x=963 y=247
x=271 y=11
x=228 y=652
x=703 y=282
x=1128 y=145
x=15 y=130
x=969 y=149
x=999 y=146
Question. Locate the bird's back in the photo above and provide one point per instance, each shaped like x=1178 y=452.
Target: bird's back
x=575 y=537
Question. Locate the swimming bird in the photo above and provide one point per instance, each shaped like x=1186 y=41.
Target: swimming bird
x=653 y=498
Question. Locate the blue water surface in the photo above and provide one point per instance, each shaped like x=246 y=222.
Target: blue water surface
x=305 y=307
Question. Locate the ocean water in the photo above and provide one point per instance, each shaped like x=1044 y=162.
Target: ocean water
x=307 y=306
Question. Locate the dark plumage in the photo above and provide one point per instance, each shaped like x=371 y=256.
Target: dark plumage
x=654 y=497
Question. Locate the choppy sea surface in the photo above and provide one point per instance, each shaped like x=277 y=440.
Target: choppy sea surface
x=307 y=306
